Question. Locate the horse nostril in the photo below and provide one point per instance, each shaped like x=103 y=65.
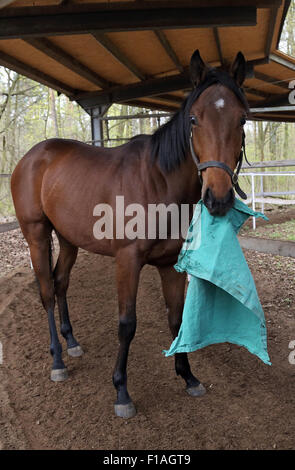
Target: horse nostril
x=209 y=199
x=230 y=197
x=218 y=206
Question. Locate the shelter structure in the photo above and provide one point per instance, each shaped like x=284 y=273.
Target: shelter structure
x=137 y=52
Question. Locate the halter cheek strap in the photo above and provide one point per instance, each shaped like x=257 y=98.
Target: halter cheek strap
x=213 y=163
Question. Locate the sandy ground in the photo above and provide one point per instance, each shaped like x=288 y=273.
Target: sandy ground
x=14 y=251
x=248 y=404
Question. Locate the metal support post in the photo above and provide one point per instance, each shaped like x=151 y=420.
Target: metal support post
x=97 y=125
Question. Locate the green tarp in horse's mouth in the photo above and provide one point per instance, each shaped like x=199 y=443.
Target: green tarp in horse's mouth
x=222 y=303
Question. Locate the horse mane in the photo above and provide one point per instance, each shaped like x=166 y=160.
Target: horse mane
x=170 y=143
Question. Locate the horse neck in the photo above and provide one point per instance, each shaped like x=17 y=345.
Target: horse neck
x=183 y=183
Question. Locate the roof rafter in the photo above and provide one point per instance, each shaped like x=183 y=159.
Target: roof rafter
x=169 y=99
x=270 y=117
x=30 y=72
x=117 y=54
x=218 y=44
x=253 y=91
x=278 y=100
x=271 y=80
x=56 y=53
x=150 y=87
x=168 y=48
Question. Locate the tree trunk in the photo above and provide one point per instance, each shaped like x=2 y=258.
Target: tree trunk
x=53 y=112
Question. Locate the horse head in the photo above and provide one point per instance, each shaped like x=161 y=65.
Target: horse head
x=217 y=117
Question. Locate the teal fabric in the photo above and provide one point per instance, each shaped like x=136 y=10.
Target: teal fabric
x=222 y=303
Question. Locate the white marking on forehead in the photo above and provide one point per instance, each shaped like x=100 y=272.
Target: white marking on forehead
x=219 y=103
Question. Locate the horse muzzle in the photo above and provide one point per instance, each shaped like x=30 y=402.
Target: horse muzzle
x=218 y=206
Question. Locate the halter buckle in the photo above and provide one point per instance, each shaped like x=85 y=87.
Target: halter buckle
x=235 y=178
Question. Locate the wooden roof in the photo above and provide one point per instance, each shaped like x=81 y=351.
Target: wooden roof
x=138 y=51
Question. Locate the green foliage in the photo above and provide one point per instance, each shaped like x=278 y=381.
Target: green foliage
x=284 y=231
x=30 y=113
x=287 y=41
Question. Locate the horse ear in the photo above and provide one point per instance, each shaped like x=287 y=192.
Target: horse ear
x=197 y=68
x=238 y=69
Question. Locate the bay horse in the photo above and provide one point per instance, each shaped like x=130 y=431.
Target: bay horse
x=56 y=185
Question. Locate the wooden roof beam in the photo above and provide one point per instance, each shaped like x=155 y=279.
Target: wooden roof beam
x=282 y=61
x=118 y=55
x=271 y=26
x=5 y=3
x=111 y=20
x=151 y=87
x=271 y=80
x=278 y=100
x=30 y=72
x=169 y=99
x=250 y=64
x=70 y=7
x=218 y=44
x=253 y=91
x=168 y=48
x=270 y=117
x=56 y=53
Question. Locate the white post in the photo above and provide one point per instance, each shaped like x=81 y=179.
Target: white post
x=262 y=195
x=253 y=200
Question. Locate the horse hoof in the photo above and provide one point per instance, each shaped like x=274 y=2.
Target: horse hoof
x=76 y=351
x=58 y=375
x=197 y=391
x=125 y=411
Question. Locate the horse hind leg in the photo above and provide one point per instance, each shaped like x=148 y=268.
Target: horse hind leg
x=173 y=285
x=65 y=262
x=38 y=236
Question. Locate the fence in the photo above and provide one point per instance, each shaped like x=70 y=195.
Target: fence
x=109 y=141
x=258 y=193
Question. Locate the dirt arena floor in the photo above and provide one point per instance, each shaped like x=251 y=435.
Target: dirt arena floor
x=248 y=404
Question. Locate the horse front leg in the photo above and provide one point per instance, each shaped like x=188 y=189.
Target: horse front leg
x=173 y=285
x=127 y=275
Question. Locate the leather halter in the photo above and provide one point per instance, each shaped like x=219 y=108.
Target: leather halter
x=234 y=175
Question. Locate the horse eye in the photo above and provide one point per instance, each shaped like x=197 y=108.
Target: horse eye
x=194 y=121
x=243 y=121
